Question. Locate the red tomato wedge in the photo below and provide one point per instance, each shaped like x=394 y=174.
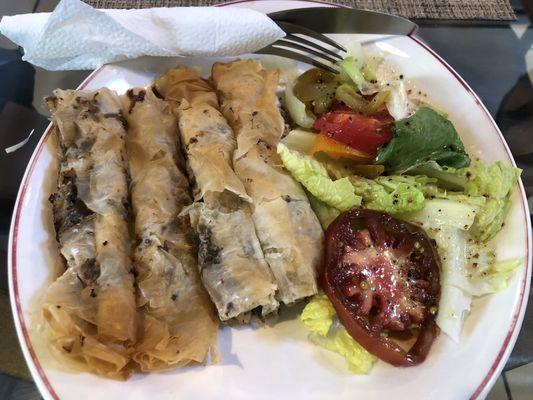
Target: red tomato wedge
x=382 y=277
x=366 y=133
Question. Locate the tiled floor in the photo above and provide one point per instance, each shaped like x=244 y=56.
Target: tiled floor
x=520 y=382
x=499 y=391
x=17 y=389
x=514 y=385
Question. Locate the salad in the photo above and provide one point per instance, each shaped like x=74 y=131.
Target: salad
x=409 y=215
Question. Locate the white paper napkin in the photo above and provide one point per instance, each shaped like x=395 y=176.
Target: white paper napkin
x=77 y=36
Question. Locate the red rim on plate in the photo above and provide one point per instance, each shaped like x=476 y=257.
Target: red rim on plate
x=37 y=370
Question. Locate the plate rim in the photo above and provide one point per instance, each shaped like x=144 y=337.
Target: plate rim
x=38 y=372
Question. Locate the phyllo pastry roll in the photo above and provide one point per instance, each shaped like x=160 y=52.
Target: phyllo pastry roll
x=90 y=308
x=179 y=325
x=232 y=264
x=289 y=232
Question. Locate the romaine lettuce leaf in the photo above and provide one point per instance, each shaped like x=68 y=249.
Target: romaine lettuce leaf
x=370 y=66
x=488 y=185
x=325 y=214
x=454 y=307
x=485 y=274
x=490 y=219
x=425 y=136
x=447 y=177
x=466 y=263
x=455 y=302
x=495 y=181
x=437 y=212
x=326 y=331
x=398 y=104
x=500 y=272
x=469 y=267
x=350 y=66
x=432 y=191
x=350 y=71
x=314 y=177
x=318 y=314
x=419 y=181
x=391 y=194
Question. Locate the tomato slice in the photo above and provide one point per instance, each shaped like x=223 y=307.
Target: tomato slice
x=362 y=132
x=382 y=277
x=338 y=150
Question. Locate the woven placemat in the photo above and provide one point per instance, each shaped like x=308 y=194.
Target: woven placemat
x=429 y=9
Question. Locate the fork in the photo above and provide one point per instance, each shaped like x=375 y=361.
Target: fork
x=286 y=47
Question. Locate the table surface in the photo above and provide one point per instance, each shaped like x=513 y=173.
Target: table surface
x=495 y=59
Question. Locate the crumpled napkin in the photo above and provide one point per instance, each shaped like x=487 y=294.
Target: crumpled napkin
x=77 y=36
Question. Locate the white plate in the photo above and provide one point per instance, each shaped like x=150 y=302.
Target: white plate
x=279 y=362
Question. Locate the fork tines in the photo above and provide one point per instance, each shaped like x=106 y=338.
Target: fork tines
x=303 y=49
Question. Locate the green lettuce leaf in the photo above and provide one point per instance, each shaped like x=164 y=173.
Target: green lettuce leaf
x=359 y=69
x=350 y=71
x=325 y=214
x=495 y=182
x=392 y=194
x=490 y=219
x=437 y=212
x=432 y=191
x=486 y=185
x=500 y=272
x=370 y=65
x=397 y=102
x=425 y=136
x=447 y=177
x=314 y=177
x=317 y=316
x=468 y=267
x=351 y=65
x=326 y=331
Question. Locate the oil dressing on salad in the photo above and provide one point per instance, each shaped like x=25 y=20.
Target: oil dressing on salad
x=409 y=216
